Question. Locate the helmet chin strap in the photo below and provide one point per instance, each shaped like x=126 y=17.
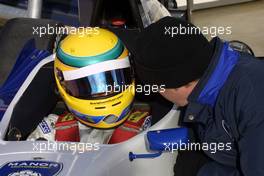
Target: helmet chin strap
x=96 y=68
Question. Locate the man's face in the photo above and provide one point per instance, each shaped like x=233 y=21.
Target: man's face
x=179 y=95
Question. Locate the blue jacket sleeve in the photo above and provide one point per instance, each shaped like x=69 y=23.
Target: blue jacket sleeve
x=249 y=110
x=216 y=169
x=248 y=114
x=251 y=149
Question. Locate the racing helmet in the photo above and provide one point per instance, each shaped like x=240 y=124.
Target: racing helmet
x=94 y=78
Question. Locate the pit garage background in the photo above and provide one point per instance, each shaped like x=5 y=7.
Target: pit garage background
x=237 y=13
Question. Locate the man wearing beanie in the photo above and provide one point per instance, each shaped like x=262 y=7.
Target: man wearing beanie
x=222 y=89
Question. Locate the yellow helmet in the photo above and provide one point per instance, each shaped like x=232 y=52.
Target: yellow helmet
x=93 y=76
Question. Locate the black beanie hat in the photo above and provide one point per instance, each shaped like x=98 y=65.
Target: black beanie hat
x=171 y=59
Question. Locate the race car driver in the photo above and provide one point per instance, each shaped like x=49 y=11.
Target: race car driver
x=86 y=67
x=221 y=87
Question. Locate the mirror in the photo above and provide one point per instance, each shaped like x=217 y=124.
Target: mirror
x=168 y=140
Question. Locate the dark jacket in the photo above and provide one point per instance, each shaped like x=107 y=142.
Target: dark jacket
x=227 y=108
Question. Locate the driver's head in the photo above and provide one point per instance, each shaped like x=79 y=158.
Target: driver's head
x=93 y=76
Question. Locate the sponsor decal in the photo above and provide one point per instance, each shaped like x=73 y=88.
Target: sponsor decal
x=44 y=127
x=3 y=106
x=105 y=101
x=136 y=116
x=25 y=173
x=147 y=123
x=31 y=168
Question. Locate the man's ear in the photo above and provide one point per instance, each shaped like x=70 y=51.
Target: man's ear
x=190 y=84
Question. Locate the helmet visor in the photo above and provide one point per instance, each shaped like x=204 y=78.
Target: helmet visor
x=100 y=85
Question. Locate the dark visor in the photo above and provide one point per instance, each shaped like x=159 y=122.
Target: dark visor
x=99 y=85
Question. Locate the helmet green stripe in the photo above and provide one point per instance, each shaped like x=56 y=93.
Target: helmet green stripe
x=75 y=61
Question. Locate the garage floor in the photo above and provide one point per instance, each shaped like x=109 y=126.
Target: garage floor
x=245 y=19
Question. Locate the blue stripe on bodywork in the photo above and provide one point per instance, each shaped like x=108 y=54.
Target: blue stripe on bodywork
x=228 y=59
x=28 y=58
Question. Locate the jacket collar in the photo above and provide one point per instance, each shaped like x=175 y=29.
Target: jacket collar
x=203 y=97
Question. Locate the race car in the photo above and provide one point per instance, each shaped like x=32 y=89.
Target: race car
x=28 y=95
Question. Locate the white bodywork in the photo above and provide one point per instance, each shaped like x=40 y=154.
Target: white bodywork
x=109 y=160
